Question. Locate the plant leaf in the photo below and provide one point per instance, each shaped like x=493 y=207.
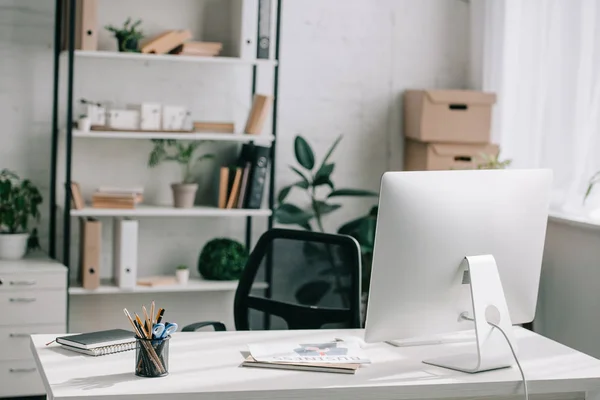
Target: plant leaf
x=283 y=193
x=331 y=149
x=312 y=292
x=353 y=193
x=288 y=213
x=304 y=153
x=325 y=208
x=323 y=174
x=304 y=178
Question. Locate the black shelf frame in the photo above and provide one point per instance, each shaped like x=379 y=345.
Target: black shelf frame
x=66 y=216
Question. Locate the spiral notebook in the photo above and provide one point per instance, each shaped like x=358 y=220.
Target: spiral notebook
x=99 y=343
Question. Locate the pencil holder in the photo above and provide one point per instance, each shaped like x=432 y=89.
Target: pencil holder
x=152 y=357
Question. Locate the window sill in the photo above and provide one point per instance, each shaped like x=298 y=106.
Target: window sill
x=588 y=220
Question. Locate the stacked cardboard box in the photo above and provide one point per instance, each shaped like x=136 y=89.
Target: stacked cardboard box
x=447 y=129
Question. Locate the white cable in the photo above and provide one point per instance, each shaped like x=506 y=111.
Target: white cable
x=514 y=353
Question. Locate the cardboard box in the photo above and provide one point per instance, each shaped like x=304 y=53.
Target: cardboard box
x=421 y=156
x=458 y=116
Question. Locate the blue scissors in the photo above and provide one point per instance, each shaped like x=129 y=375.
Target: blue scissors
x=161 y=331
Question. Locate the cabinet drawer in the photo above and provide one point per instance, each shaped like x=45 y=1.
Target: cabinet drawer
x=20 y=378
x=15 y=340
x=31 y=307
x=32 y=281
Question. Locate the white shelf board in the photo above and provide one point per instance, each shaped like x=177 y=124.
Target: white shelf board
x=194 y=285
x=168 y=211
x=171 y=57
x=220 y=137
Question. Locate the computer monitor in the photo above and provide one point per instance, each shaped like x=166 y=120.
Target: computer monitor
x=428 y=222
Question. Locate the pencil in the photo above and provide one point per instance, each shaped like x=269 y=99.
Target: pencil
x=152 y=315
x=148 y=323
x=153 y=356
x=139 y=320
x=159 y=317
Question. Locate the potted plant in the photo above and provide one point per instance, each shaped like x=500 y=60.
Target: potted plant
x=182 y=272
x=19 y=201
x=184 y=192
x=222 y=259
x=128 y=36
x=491 y=161
x=84 y=123
x=321 y=193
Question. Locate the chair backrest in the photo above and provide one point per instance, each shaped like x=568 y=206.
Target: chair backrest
x=315 y=280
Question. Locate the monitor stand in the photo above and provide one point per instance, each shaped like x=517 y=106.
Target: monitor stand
x=489 y=304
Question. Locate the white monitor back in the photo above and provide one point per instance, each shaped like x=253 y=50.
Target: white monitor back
x=428 y=222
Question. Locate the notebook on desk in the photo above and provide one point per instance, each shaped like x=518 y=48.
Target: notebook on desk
x=99 y=343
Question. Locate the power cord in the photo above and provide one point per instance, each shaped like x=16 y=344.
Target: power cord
x=514 y=353
x=465 y=316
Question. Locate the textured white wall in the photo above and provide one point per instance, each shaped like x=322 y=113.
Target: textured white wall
x=344 y=66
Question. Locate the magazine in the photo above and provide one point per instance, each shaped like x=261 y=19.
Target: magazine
x=331 y=352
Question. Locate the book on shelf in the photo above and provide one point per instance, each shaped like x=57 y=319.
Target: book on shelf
x=204 y=49
x=258 y=114
x=219 y=127
x=166 y=41
x=116 y=199
x=153 y=281
x=242 y=184
x=76 y=197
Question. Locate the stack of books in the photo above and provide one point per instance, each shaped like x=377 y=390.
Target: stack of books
x=117 y=198
x=242 y=185
x=337 y=356
x=203 y=49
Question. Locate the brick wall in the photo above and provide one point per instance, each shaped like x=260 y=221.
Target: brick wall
x=344 y=66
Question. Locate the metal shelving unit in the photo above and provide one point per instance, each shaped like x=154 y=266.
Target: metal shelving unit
x=146 y=211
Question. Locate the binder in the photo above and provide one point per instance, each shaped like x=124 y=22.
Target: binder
x=90 y=252
x=125 y=252
x=86 y=25
x=258 y=175
x=264 y=29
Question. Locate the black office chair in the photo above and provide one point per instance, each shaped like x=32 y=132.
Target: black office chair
x=315 y=282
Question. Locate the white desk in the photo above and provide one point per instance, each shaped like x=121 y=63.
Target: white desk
x=205 y=366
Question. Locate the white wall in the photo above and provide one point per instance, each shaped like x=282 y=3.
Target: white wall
x=344 y=66
x=569 y=298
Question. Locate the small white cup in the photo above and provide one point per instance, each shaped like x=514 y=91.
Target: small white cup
x=183 y=276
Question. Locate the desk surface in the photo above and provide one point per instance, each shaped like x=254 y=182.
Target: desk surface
x=206 y=365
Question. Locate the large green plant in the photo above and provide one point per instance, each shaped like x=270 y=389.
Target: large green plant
x=313 y=178
x=321 y=194
x=179 y=152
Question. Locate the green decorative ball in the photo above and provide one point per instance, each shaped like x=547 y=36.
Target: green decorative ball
x=222 y=260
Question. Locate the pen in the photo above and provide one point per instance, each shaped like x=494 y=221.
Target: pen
x=159 y=316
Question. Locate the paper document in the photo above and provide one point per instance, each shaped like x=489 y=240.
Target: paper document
x=315 y=353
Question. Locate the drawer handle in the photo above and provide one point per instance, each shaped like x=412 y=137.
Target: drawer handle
x=22 y=283
x=22 y=299
x=19 y=370
x=20 y=335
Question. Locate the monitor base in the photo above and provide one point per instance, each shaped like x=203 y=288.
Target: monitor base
x=489 y=307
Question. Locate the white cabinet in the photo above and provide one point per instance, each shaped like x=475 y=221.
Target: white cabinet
x=33 y=299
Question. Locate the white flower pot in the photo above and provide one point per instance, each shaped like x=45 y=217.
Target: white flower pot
x=84 y=124
x=184 y=194
x=13 y=246
x=183 y=276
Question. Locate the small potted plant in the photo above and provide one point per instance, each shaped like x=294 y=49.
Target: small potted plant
x=128 y=36
x=19 y=201
x=84 y=123
x=182 y=272
x=184 y=192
